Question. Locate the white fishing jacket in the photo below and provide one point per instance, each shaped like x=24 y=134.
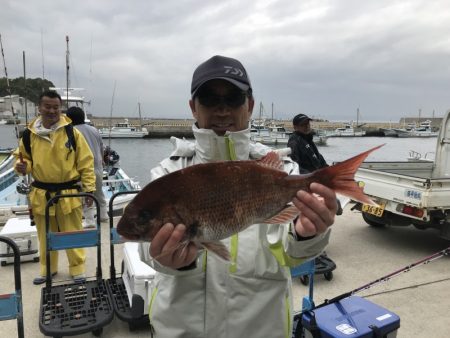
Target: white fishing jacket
x=250 y=296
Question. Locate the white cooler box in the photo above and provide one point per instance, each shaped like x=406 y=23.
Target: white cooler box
x=138 y=278
x=24 y=235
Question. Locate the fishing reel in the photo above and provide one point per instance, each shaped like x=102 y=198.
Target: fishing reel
x=23 y=188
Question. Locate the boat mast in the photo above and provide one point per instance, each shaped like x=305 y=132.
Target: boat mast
x=140 y=117
x=357 y=117
x=111 y=114
x=260 y=117
x=25 y=88
x=67 y=72
x=42 y=52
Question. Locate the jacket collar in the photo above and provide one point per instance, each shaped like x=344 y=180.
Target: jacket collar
x=208 y=146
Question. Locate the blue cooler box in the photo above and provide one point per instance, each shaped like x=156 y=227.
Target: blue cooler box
x=351 y=317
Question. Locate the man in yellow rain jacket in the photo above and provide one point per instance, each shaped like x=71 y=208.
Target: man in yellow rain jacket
x=57 y=166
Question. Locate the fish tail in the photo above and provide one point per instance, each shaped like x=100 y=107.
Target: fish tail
x=340 y=177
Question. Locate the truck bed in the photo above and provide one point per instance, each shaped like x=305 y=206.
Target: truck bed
x=404 y=182
x=417 y=169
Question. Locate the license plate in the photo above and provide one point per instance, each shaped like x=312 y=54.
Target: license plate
x=374 y=210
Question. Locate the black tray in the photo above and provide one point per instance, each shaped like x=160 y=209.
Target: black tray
x=72 y=309
x=132 y=315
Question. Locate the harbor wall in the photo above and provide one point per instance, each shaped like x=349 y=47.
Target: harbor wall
x=162 y=128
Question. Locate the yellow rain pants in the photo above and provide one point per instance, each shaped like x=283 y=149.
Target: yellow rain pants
x=68 y=222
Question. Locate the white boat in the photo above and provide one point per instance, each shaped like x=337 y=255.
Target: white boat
x=347 y=131
x=423 y=130
x=270 y=134
x=320 y=137
x=123 y=130
x=2 y=121
x=277 y=135
x=13 y=204
x=390 y=132
x=71 y=97
x=6 y=159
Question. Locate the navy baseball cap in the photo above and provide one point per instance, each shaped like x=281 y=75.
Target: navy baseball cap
x=221 y=67
x=300 y=118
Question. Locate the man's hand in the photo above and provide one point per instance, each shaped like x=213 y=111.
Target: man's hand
x=316 y=213
x=89 y=201
x=21 y=167
x=168 y=248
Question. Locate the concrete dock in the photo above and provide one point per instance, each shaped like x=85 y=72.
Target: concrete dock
x=420 y=297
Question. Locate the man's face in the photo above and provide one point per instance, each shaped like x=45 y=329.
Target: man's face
x=221 y=106
x=304 y=127
x=50 y=110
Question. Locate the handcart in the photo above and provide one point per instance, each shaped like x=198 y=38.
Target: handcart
x=11 y=304
x=306 y=269
x=322 y=265
x=74 y=308
x=127 y=307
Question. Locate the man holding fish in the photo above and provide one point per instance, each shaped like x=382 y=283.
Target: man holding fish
x=226 y=219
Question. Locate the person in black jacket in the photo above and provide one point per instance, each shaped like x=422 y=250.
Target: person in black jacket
x=303 y=149
x=305 y=153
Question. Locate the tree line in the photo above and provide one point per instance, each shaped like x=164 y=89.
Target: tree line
x=31 y=90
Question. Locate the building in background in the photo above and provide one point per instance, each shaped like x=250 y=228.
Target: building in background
x=18 y=105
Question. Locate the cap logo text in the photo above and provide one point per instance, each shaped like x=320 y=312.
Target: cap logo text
x=233 y=71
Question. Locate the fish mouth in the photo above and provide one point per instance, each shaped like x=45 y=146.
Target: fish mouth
x=129 y=236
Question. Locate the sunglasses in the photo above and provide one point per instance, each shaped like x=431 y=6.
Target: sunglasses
x=234 y=99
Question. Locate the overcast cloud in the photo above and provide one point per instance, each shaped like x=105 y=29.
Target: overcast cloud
x=324 y=58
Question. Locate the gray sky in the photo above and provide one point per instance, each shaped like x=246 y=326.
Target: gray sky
x=324 y=58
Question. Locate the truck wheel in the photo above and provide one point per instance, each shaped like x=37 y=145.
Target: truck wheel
x=369 y=220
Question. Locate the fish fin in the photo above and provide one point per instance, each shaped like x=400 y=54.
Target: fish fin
x=340 y=177
x=271 y=160
x=285 y=216
x=182 y=245
x=218 y=248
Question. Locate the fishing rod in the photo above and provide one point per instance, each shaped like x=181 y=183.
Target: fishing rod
x=387 y=277
x=24 y=186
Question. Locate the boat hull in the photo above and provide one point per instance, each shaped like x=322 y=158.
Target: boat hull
x=14 y=204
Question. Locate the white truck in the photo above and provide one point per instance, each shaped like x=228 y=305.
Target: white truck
x=410 y=192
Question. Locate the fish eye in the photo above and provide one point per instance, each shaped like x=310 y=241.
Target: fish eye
x=144 y=216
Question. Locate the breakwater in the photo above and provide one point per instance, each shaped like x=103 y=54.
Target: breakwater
x=162 y=128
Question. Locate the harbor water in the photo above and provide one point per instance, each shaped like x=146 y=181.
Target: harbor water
x=138 y=156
